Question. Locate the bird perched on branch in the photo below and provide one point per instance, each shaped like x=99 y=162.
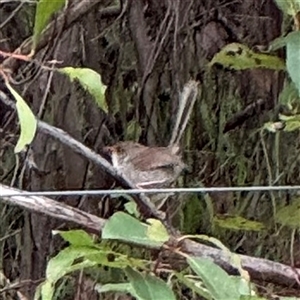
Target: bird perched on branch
x=156 y=167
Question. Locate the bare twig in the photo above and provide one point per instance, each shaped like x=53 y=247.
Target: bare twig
x=241 y=117
x=14 y=12
x=75 y=12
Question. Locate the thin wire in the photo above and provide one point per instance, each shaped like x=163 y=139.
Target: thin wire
x=150 y=191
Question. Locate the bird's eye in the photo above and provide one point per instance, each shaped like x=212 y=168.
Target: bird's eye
x=108 y=150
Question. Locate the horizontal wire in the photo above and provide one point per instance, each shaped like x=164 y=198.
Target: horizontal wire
x=150 y=191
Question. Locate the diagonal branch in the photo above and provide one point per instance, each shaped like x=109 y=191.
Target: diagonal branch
x=79 y=8
x=52 y=208
x=258 y=268
x=146 y=208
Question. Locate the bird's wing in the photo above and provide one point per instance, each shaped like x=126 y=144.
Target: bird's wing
x=154 y=158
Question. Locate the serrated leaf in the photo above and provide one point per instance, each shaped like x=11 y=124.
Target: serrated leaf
x=237 y=223
x=289 y=215
x=76 y=237
x=27 y=120
x=157 y=231
x=293 y=59
x=90 y=80
x=220 y=285
x=124 y=227
x=240 y=57
x=289 y=7
x=148 y=287
x=44 y=10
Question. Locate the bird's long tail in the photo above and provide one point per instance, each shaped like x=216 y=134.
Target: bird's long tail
x=186 y=102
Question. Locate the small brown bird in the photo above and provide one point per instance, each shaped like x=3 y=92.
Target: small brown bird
x=147 y=167
x=156 y=167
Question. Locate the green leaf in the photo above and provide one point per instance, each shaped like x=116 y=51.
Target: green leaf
x=61 y=264
x=293 y=58
x=289 y=95
x=38 y=292
x=132 y=208
x=240 y=57
x=245 y=288
x=248 y=297
x=291 y=123
x=237 y=223
x=90 y=81
x=292 y=118
x=195 y=285
x=289 y=7
x=124 y=227
x=274 y=126
x=138 y=284
x=44 y=10
x=115 y=287
x=76 y=237
x=115 y=260
x=277 y=43
x=74 y=258
x=47 y=290
x=291 y=126
x=282 y=41
x=158 y=288
x=289 y=215
x=148 y=287
x=220 y=285
x=235 y=259
x=28 y=123
x=157 y=231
